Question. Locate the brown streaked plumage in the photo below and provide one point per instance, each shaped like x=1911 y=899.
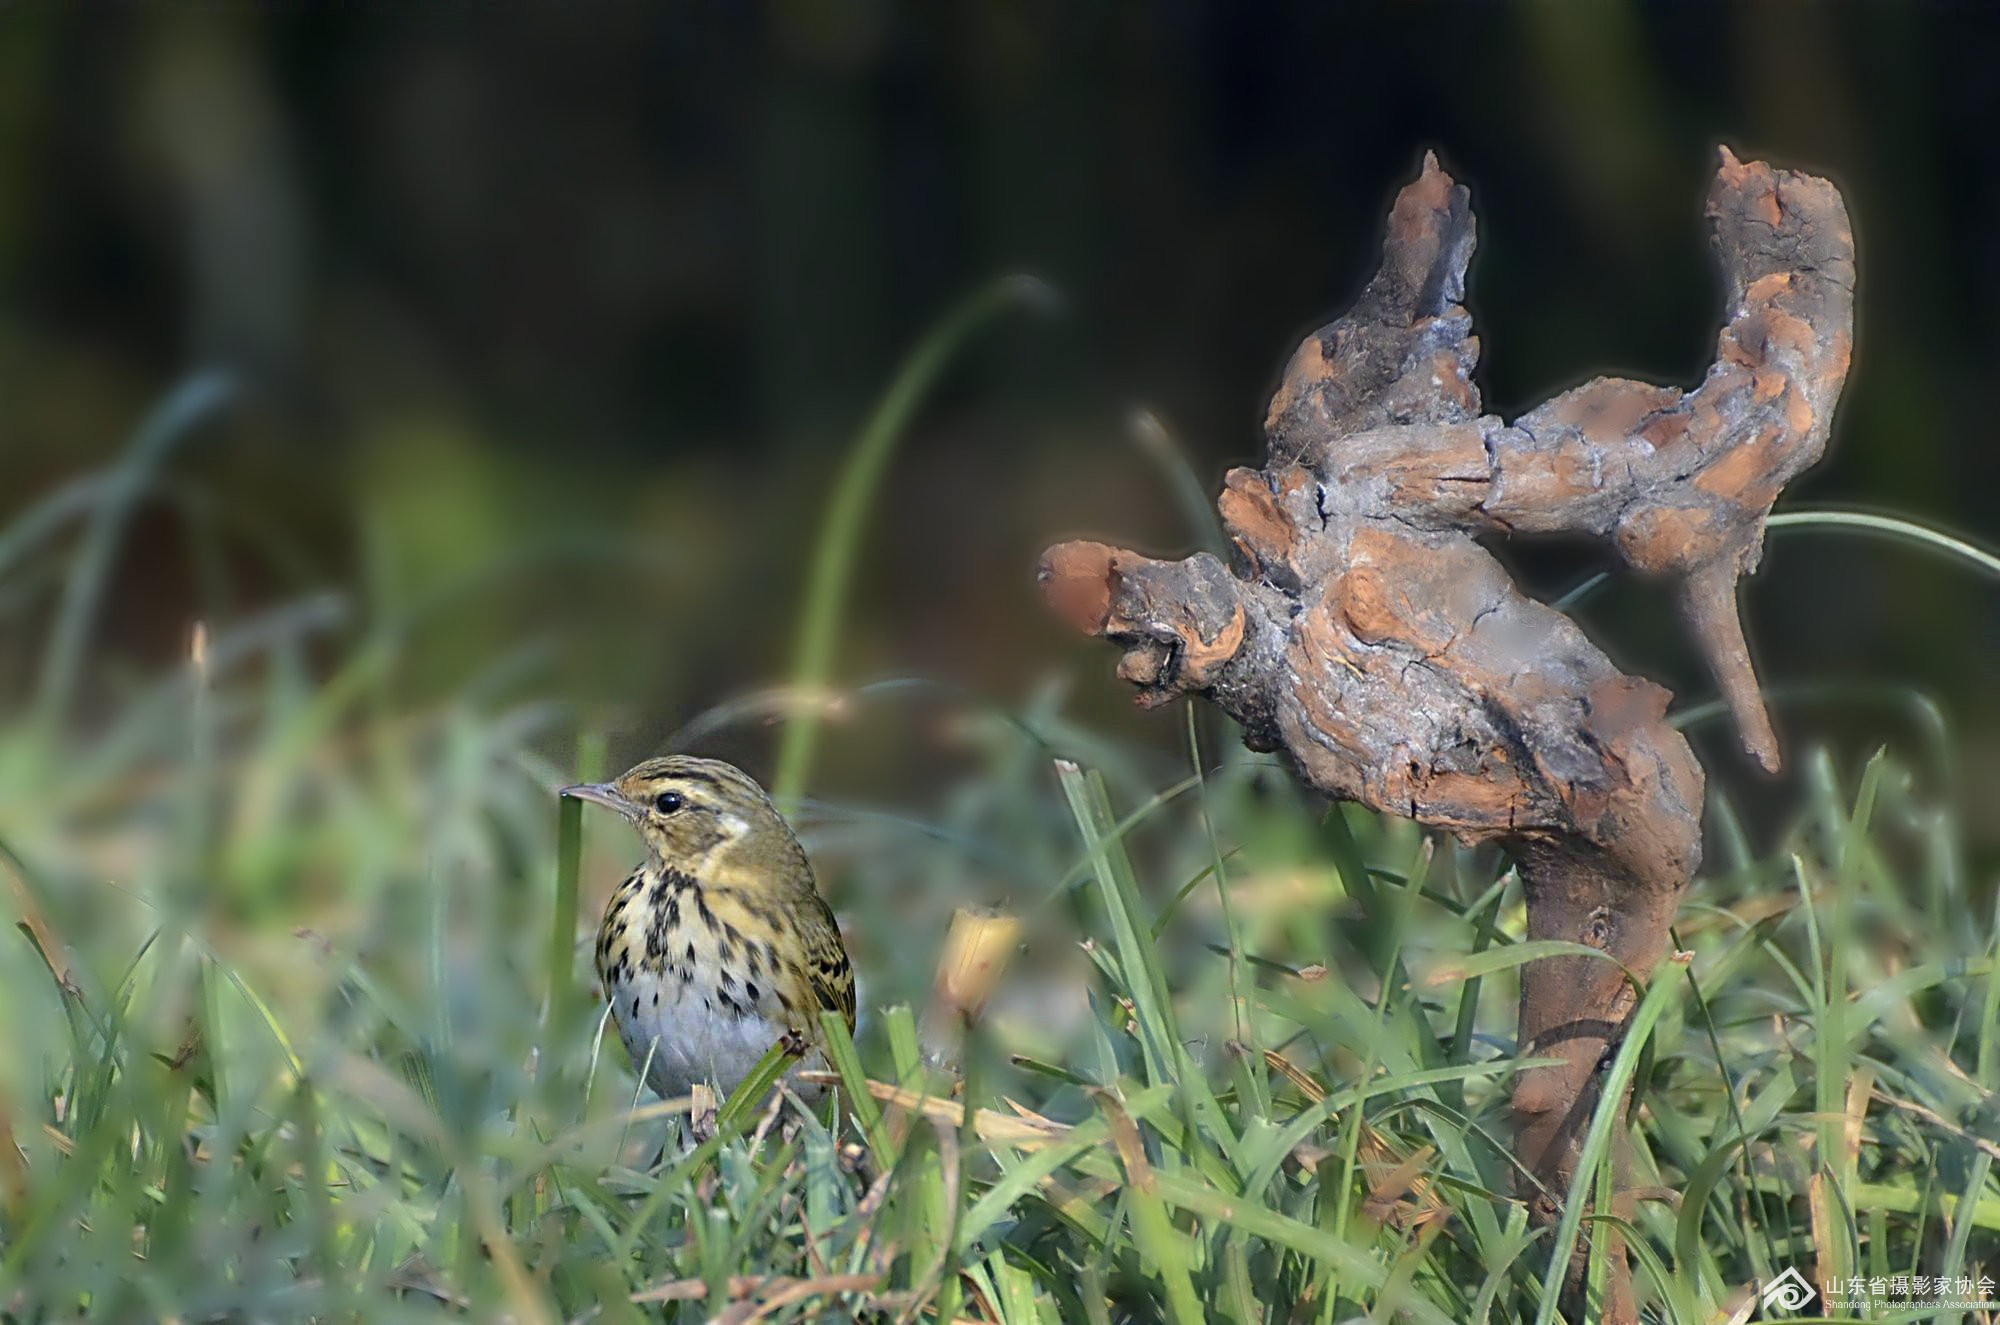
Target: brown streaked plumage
x=720 y=944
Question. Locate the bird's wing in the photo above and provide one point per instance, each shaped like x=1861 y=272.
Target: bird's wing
x=832 y=975
x=792 y=957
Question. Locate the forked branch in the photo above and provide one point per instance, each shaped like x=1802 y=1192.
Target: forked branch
x=1364 y=631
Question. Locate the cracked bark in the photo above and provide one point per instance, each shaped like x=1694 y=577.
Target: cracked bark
x=1365 y=632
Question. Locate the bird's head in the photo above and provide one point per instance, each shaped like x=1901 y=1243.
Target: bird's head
x=694 y=813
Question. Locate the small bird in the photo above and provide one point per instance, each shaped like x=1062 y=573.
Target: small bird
x=719 y=945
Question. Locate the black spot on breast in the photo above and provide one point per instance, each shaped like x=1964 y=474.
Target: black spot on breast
x=750 y=991
x=673 y=912
x=707 y=915
x=755 y=957
x=690 y=954
x=635 y=1005
x=730 y=1004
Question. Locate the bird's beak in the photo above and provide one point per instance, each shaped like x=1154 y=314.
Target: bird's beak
x=602 y=793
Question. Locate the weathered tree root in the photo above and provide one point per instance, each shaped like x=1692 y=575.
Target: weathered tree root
x=1366 y=632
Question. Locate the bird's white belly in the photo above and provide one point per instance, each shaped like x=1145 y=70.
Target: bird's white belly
x=677 y=1041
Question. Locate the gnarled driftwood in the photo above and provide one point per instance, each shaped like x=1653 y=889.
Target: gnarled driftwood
x=1365 y=632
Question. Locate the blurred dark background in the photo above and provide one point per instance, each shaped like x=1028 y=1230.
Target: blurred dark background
x=542 y=281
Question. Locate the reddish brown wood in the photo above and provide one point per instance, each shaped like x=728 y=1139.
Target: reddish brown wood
x=1365 y=632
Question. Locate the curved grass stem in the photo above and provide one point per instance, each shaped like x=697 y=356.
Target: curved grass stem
x=832 y=565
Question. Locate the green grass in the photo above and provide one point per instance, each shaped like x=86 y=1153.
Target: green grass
x=831 y=567
x=298 y=1026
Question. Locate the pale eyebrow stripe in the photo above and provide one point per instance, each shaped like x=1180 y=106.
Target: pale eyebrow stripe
x=727 y=780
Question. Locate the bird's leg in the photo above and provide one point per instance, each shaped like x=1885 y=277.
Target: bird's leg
x=794 y=1042
x=773 y=1110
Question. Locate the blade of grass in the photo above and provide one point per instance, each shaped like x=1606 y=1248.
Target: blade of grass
x=994 y=1204
x=1190 y=493
x=1139 y=958
x=1251 y=1071
x=562 y=926
x=176 y=418
x=1352 y=1124
x=1886 y=526
x=833 y=555
x=1162 y=1246
x=730 y=1121
x=1475 y=964
x=1187 y=1193
x=1597 y=1142
x=1833 y=1066
x=840 y=1055
x=933 y=1212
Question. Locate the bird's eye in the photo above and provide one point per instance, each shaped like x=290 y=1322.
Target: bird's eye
x=667 y=802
